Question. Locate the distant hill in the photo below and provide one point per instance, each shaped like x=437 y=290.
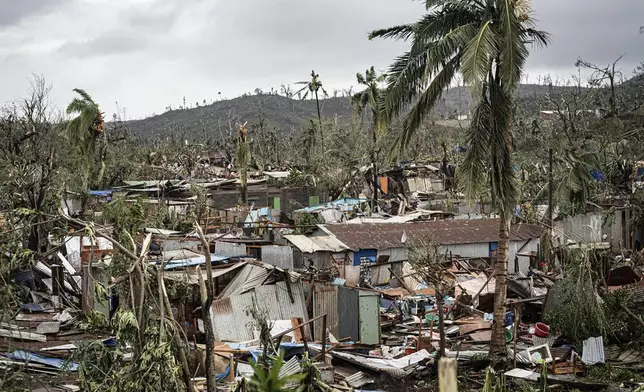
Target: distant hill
x=287 y=115
x=290 y=115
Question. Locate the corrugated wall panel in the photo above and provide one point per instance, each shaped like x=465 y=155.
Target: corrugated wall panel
x=348 y=313
x=279 y=256
x=291 y=309
x=369 y=306
x=230 y=249
x=230 y=321
x=325 y=300
x=268 y=301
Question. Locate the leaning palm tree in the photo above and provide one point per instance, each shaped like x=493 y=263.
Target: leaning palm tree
x=84 y=130
x=313 y=86
x=487 y=41
x=371 y=98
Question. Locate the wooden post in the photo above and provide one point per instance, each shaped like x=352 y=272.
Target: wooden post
x=57 y=284
x=517 y=321
x=431 y=329
x=447 y=375
x=420 y=332
x=324 y=339
x=231 y=374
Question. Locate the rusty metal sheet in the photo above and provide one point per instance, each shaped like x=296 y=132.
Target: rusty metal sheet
x=325 y=300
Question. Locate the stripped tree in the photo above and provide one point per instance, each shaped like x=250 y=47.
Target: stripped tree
x=371 y=98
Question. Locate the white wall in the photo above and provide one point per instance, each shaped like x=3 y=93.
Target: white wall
x=524 y=262
x=473 y=250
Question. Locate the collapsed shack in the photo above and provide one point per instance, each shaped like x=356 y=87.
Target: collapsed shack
x=351 y=323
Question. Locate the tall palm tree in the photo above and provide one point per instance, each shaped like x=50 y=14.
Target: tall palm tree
x=84 y=130
x=487 y=41
x=313 y=86
x=371 y=97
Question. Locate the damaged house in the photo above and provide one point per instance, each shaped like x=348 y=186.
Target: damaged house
x=277 y=293
x=386 y=243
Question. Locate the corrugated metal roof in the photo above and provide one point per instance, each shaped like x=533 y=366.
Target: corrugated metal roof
x=290 y=368
x=316 y=244
x=359 y=379
x=593 y=351
x=232 y=322
x=253 y=274
x=192 y=277
x=191 y=262
x=445 y=232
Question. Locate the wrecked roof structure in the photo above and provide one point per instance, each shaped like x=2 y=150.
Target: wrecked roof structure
x=446 y=232
x=308 y=244
x=260 y=287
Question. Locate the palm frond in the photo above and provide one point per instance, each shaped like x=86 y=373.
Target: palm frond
x=76 y=106
x=504 y=184
x=83 y=94
x=401 y=32
x=410 y=73
x=538 y=37
x=427 y=99
x=513 y=51
x=361 y=79
x=306 y=87
x=436 y=3
x=440 y=23
x=477 y=136
x=477 y=54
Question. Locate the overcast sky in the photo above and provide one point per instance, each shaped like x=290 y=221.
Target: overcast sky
x=148 y=54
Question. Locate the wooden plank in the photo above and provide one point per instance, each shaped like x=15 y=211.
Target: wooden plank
x=6 y=333
x=295 y=322
x=481 y=336
x=468 y=328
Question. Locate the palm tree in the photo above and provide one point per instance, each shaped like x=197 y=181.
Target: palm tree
x=313 y=86
x=243 y=161
x=84 y=130
x=371 y=97
x=487 y=41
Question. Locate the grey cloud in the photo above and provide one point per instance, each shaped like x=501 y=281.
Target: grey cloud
x=598 y=31
x=115 y=42
x=13 y=11
x=200 y=47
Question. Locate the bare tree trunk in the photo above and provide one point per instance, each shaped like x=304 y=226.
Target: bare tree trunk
x=244 y=187
x=317 y=103
x=497 y=344
x=181 y=347
x=441 y=324
x=207 y=295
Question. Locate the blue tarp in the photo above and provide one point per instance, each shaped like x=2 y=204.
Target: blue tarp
x=222 y=376
x=195 y=261
x=103 y=193
x=58 y=363
x=597 y=175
